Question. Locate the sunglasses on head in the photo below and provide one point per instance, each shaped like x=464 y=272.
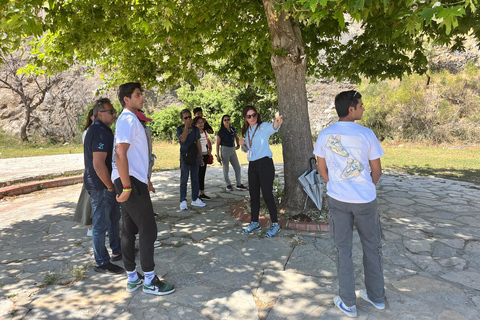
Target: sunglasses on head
x=253 y=115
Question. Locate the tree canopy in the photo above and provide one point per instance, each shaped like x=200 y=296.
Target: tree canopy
x=162 y=42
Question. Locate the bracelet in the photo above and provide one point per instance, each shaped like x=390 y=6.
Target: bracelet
x=127 y=189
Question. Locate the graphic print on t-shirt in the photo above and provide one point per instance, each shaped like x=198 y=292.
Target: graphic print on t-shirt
x=353 y=169
x=334 y=143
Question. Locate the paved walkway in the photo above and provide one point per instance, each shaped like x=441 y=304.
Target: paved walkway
x=431 y=255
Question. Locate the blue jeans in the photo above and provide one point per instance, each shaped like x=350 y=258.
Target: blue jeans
x=185 y=170
x=105 y=217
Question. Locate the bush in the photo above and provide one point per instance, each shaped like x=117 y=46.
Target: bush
x=445 y=111
x=164 y=123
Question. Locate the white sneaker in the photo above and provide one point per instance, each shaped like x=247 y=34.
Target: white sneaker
x=364 y=296
x=198 y=203
x=183 y=205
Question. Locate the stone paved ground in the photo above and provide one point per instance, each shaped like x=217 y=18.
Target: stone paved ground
x=431 y=256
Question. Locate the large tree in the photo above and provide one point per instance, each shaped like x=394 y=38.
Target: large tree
x=271 y=43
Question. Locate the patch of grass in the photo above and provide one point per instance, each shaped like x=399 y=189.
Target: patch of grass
x=51 y=278
x=179 y=244
x=451 y=162
x=297 y=241
x=11 y=295
x=79 y=272
x=14 y=147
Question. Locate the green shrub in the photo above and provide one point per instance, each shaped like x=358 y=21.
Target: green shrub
x=445 y=111
x=164 y=123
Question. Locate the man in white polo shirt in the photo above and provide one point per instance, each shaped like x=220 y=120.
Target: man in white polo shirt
x=130 y=176
x=348 y=157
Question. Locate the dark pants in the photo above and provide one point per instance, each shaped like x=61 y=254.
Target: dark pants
x=201 y=173
x=343 y=216
x=261 y=174
x=138 y=217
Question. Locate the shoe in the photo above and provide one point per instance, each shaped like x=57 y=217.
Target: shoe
x=89 y=232
x=109 y=267
x=252 y=227
x=242 y=188
x=134 y=286
x=118 y=257
x=198 y=203
x=183 y=205
x=274 y=229
x=349 y=311
x=158 y=288
x=364 y=296
x=204 y=197
x=229 y=188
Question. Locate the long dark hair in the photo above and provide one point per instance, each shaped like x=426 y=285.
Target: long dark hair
x=89 y=121
x=245 y=123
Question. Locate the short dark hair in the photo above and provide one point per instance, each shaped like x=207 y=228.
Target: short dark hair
x=99 y=106
x=184 y=111
x=126 y=90
x=197 y=109
x=344 y=100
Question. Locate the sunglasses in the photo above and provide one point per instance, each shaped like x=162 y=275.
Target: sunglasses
x=112 y=112
x=186 y=118
x=226 y=120
x=253 y=115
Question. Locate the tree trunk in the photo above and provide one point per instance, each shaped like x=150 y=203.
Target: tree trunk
x=23 y=128
x=289 y=67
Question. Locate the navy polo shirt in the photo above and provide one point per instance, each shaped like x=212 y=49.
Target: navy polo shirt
x=99 y=138
x=193 y=135
x=227 y=138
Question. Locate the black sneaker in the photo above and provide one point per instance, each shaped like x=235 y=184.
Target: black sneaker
x=109 y=267
x=204 y=197
x=116 y=258
x=242 y=188
x=158 y=288
x=229 y=188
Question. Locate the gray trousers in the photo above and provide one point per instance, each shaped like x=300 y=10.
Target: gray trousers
x=365 y=216
x=229 y=155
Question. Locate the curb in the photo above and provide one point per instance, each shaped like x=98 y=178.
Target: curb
x=239 y=214
x=38 y=185
x=41 y=177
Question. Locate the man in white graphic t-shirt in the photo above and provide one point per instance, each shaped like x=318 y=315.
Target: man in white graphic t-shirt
x=348 y=157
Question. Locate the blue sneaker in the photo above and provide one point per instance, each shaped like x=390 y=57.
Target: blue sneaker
x=274 y=229
x=252 y=227
x=364 y=296
x=349 y=311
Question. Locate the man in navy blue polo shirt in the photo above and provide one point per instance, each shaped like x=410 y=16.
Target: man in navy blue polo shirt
x=98 y=148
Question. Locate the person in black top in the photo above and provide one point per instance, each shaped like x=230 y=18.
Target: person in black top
x=226 y=137
x=98 y=147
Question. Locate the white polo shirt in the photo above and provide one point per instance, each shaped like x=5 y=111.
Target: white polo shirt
x=128 y=129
